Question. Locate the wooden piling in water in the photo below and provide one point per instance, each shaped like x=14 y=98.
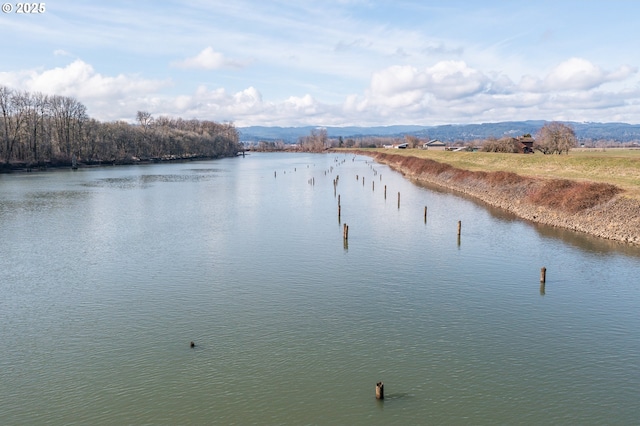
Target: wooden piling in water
x=543 y=275
x=398 y=199
x=373 y=185
x=345 y=231
x=379 y=390
x=385 y=192
x=459 y=227
x=425 y=213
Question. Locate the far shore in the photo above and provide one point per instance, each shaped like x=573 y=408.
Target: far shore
x=596 y=208
x=19 y=167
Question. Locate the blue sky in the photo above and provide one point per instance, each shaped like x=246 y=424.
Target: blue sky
x=332 y=63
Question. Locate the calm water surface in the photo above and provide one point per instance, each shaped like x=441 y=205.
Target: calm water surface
x=107 y=274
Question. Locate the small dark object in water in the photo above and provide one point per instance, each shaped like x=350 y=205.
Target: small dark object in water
x=379 y=390
x=193 y=345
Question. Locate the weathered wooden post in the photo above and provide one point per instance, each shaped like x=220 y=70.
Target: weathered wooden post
x=362 y=180
x=398 y=199
x=338 y=199
x=379 y=390
x=345 y=231
x=543 y=275
x=274 y=174
x=385 y=192
x=373 y=185
x=425 y=213
x=459 y=227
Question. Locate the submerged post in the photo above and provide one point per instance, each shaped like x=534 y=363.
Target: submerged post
x=459 y=227
x=379 y=390
x=425 y=213
x=398 y=199
x=385 y=192
x=543 y=275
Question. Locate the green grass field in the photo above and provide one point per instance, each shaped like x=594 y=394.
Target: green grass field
x=616 y=166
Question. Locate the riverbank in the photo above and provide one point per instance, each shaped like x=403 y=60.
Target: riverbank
x=18 y=167
x=596 y=208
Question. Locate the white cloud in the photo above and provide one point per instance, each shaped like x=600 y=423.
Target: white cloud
x=208 y=59
x=61 y=52
x=446 y=92
x=409 y=87
x=80 y=80
x=575 y=74
x=106 y=97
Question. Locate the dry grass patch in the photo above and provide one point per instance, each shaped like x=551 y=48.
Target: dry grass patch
x=571 y=196
x=619 y=167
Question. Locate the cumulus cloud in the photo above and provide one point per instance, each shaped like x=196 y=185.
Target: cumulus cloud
x=454 y=92
x=80 y=80
x=101 y=94
x=247 y=107
x=404 y=85
x=446 y=92
x=208 y=59
x=575 y=74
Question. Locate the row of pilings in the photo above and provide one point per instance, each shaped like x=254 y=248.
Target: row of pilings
x=379 y=388
x=345 y=228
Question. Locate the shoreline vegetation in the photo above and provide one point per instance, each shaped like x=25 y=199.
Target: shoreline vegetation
x=592 y=206
x=39 y=131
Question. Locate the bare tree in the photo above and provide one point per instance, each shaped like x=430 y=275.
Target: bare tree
x=412 y=141
x=506 y=144
x=315 y=142
x=40 y=128
x=555 y=138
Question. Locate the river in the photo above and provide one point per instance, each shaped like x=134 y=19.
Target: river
x=107 y=275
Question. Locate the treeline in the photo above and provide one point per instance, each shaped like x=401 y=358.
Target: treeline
x=40 y=130
x=552 y=138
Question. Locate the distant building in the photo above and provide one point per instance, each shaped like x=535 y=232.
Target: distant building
x=526 y=144
x=397 y=146
x=434 y=144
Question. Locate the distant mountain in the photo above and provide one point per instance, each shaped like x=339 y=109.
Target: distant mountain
x=620 y=132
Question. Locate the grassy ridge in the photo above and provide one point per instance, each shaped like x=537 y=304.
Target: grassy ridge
x=619 y=167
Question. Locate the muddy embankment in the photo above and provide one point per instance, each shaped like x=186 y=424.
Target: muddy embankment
x=598 y=209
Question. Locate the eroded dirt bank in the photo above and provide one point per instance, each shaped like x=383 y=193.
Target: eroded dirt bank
x=598 y=209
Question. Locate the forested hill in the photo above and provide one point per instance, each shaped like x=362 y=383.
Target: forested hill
x=617 y=132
